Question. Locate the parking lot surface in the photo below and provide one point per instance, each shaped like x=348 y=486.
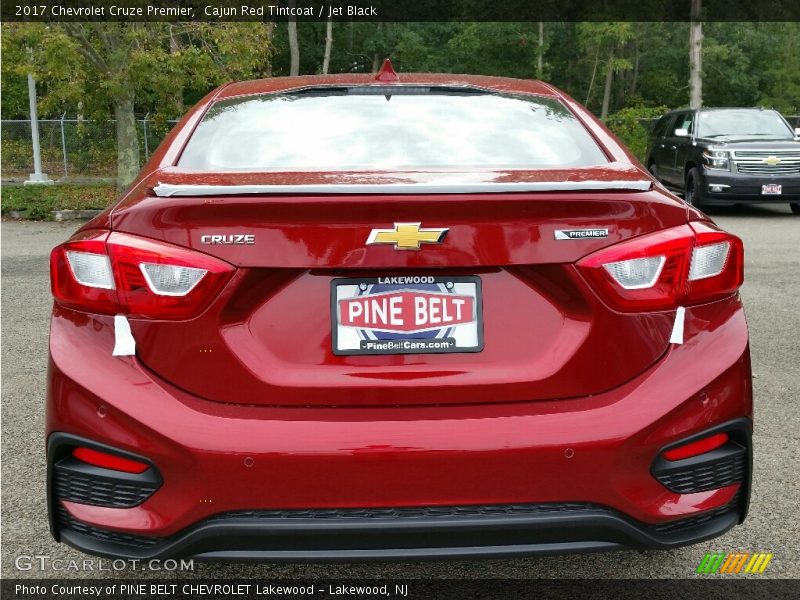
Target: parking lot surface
x=772 y=299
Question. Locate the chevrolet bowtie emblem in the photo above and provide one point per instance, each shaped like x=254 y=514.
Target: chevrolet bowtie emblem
x=407 y=236
x=772 y=160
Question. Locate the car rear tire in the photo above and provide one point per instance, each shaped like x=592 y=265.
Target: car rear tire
x=691 y=190
x=795 y=206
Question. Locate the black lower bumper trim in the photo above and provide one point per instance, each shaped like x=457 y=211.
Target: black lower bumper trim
x=445 y=532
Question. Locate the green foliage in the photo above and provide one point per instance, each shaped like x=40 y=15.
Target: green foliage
x=14 y=83
x=17 y=155
x=663 y=77
x=627 y=125
x=39 y=200
x=169 y=67
x=608 y=36
x=778 y=67
x=100 y=69
x=494 y=48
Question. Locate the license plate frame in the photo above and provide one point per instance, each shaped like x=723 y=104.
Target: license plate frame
x=771 y=189
x=390 y=343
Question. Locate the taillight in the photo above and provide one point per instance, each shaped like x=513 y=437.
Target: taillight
x=81 y=275
x=717 y=268
x=164 y=281
x=120 y=273
x=684 y=265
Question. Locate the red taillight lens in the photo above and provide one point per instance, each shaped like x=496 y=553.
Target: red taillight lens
x=663 y=270
x=109 y=461
x=702 y=446
x=717 y=268
x=624 y=274
x=120 y=273
x=164 y=281
x=81 y=290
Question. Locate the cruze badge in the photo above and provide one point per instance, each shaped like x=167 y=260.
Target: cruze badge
x=231 y=238
x=580 y=234
x=407 y=236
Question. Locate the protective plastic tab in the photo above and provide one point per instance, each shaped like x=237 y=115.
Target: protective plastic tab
x=124 y=344
x=677 y=328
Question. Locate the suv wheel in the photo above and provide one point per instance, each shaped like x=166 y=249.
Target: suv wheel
x=795 y=206
x=692 y=193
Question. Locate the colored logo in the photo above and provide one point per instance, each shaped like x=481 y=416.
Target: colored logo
x=406 y=315
x=406 y=311
x=407 y=236
x=734 y=563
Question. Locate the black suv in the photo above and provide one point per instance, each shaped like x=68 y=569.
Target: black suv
x=727 y=155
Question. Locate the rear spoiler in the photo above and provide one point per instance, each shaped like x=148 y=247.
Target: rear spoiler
x=166 y=190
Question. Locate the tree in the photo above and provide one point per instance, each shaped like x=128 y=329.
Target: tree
x=613 y=66
x=376 y=55
x=606 y=39
x=107 y=47
x=294 y=48
x=113 y=69
x=15 y=67
x=540 y=53
x=326 y=60
x=779 y=67
x=696 y=56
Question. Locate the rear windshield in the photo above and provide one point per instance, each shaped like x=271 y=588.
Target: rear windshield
x=364 y=129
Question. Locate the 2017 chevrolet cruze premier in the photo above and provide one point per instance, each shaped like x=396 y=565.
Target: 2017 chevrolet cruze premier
x=369 y=317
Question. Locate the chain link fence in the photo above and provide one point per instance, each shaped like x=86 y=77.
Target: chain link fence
x=78 y=150
x=72 y=149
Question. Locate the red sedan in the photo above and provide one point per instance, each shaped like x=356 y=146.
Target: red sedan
x=351 y=317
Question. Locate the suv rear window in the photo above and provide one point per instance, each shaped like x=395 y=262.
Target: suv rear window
x=382 y=128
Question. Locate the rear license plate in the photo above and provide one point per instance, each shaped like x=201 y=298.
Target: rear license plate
x=406 y=315
x=771 y=188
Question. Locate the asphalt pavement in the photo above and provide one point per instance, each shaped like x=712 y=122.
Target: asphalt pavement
x=772 y=298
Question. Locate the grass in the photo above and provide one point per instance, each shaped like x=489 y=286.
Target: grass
x=38 y=200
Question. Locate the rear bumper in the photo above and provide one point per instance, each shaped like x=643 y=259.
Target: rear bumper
x=239 y=481
x=434 y=532
x=726 y=188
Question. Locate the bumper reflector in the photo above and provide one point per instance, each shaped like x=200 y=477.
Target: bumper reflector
x=707 y=461
x=109 y=461
x=696 y=448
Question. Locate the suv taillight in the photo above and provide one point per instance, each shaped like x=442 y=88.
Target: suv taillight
x=113 y=273
x=684 y=265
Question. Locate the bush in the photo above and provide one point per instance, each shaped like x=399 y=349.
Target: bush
x=39 y=200
x=627 y=126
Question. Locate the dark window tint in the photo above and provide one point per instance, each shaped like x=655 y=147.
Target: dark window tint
x=660 y=127
x=389 y=128
x=683 y=121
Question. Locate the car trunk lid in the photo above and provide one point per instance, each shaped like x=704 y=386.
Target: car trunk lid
x=268 y=338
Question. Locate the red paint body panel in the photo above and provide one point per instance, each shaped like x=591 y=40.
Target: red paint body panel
x=353 y=457
x=280 y=84
x=491 y=230
x=244 y=406
x=280 y=355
